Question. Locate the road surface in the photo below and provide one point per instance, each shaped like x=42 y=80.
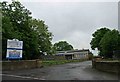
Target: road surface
x=69 y=71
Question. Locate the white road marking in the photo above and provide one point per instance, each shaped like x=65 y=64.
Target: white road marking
x=24 y=77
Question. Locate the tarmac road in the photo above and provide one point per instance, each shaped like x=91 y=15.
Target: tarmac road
x=70 y=71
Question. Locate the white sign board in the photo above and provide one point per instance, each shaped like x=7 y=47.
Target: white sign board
x=14 y=49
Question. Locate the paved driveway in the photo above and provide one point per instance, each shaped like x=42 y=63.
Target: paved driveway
x=70 y=71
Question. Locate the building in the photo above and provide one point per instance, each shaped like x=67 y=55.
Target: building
x=75 y=54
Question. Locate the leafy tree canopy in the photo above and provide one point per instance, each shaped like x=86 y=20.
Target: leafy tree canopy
x=106 y=41
x=62 y=46
x=110 y=43
x=97 y=36
x=17 y=23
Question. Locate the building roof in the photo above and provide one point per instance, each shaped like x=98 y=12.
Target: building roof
x=70 y=51
x=78 y=50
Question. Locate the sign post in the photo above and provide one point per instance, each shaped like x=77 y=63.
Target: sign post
x=14 y=49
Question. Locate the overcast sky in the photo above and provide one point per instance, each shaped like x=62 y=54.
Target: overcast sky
x=75 y=22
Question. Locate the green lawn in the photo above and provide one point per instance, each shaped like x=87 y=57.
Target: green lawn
x=58 y=62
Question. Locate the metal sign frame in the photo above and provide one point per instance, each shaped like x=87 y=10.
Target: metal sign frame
x=14 y=49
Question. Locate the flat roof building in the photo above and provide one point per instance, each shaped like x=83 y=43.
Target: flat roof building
x=75 y=54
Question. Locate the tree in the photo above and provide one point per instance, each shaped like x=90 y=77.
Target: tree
x=110 y=43
x=17 y=23
x=44 y=36
x=62 y=46
x=106 y=41
x=97 y=36
x=15 y=19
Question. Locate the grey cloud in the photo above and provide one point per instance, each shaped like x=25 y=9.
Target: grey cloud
x=75 y=22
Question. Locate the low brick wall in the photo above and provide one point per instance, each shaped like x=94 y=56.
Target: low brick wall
x=22 y=64
x=108 y=66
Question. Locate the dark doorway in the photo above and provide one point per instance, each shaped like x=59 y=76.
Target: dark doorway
x=68 y=57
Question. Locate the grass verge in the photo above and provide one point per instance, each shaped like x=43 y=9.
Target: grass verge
x=58 y=62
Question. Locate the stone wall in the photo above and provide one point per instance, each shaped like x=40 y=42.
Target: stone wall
x=22 y=64
x=108 y=66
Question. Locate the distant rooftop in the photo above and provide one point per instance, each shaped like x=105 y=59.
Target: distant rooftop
x=70 y=51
